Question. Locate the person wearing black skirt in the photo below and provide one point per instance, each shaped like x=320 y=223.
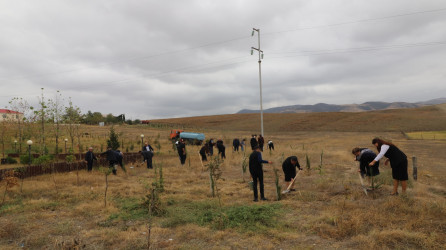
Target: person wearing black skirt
x=398 y=163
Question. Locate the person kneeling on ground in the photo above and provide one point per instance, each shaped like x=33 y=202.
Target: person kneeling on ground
x=365 y=156
x=289 y=169
x=256 y=170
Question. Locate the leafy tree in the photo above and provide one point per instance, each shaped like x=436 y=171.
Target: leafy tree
x=72 y=119
x=43 y=117
x=113 y=141
x=55 y=111
x=21 y=105
x=93 y=118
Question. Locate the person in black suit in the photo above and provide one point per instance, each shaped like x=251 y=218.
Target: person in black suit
x=111 y=158
x=256 y=171
x=289 y=169
x=181 y=148
x=147 y=147
x=148 y=155
x=221 y=149
x=89 y=158
x=253 y=142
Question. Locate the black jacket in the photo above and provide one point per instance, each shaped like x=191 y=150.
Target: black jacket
x=111 y=155
x=89 y=157
x=253 y=142
x=255 y=163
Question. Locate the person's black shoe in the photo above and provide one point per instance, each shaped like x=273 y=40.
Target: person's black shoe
x=264 y=199
x=255 y=200
x=292 y=189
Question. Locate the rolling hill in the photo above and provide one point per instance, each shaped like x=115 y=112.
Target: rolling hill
x=323 y=107
x=426 y=118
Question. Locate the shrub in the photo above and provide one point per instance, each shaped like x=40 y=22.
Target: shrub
x=10 y=160
x=24 y=159
x=244 y=217
x=69 y=158
x=43 y=159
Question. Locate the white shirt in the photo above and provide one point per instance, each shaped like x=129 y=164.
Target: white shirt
x=383 y=151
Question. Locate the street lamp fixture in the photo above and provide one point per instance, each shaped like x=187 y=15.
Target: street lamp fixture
x=15 y=146
x=66 y=145
x=29 y=142
x=142 y=140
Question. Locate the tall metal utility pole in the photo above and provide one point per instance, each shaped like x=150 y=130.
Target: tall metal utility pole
x=260 y=76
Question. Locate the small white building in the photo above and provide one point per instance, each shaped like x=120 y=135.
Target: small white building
x=10 y=115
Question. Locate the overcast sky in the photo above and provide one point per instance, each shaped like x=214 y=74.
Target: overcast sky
x=160 y=59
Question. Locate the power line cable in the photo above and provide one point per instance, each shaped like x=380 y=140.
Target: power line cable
x=353 y=22
x=396 y=46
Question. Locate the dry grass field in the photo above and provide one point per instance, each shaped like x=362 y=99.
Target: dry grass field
x=329 y=210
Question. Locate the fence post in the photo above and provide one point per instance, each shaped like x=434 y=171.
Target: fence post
x=415 y=168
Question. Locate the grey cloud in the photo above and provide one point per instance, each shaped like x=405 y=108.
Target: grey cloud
x=152 y=59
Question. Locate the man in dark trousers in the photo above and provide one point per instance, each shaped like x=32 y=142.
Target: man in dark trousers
x=221 y=149
x=253 y=142
x=211 y=146
x=261 y=142
x=289 y=169
x=148 y=155
x=255 y=168
x=111 y=158
x=203 y=151
x=89 y=157
x=181 y=148
x=236 y=144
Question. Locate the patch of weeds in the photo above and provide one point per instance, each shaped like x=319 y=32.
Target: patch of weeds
x=254 y=217
x=129 y=209
x=208 y=213
x=12 y=206
x=50 y=205
x=200 y=213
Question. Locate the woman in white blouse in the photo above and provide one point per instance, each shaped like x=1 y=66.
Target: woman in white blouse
x=398 y=163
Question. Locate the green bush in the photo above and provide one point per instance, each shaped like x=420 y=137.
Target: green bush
x=43 y=159
x=70 y=158
x=10 y=160
x=24 y=159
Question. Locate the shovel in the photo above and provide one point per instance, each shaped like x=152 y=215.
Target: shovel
x=291 y=184
x=362 y=183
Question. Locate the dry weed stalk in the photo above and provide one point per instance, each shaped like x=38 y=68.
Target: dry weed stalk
x=10 y=181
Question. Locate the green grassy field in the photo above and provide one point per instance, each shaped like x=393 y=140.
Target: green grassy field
x=427 y=135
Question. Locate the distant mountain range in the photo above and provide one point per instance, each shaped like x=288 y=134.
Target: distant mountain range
x=367 y=106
